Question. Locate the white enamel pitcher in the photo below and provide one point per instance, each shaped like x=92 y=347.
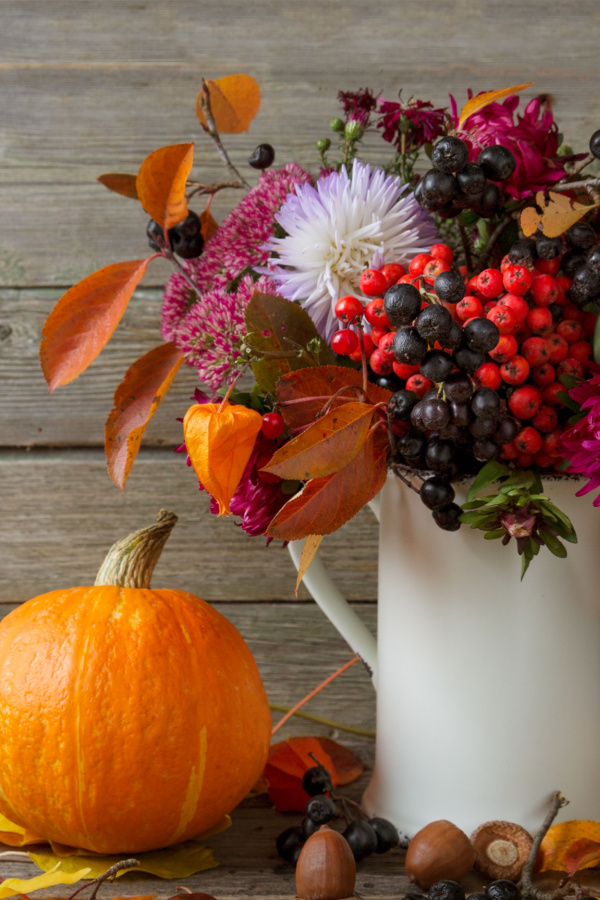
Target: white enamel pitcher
x=488 y=688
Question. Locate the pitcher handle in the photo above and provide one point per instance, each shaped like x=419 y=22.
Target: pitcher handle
x=327 y=595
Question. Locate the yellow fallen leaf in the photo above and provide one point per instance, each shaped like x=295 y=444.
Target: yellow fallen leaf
x=179 y=861
x=558 y=213
x=560 y=838
x=55 y=875
x=476 y=103
x=15 y=835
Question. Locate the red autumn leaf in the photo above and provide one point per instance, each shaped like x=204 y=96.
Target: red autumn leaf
x=324 y=504
x=289 y=760
x=234 y=102
x=120 y=183
x=567 y=845
x=161 y=184
x=136 y=400
x=321 y=382
x=581 y=854
x=83 y=320
x=325 y=447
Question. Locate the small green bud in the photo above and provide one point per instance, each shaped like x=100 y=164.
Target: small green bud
x=353 y=131
x=336 y=125
x=564 y=150
x=323 y=145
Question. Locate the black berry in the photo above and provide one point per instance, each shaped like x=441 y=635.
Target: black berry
x=581 y=235
x=434 y=323
x=523 y=252
x=485 y=450
x=549 y=248
x=490 y=201
x=440 y=456
x=446 y=890
x=481 y=334
x=402 y=303
x=387 y=835
x=471 y=180
x=321 y=809
x=316 y=780
x=572 y=260
x=467 y=359
x=454 y=338
x=411 y=445
x=592 y=261
x=435 y=413
x=497 y=162
x=262 y=157
x=450 y=154
x=502 y=889
x=448 y=518
x=436 y=365
x=409 y=347
x=485 y=403
x=290 y=842
x=438 y=187
x=401 y=404
x=362 y=838
x=186 y=238
x=436 y=492
x=595 y=144
x=449 y=286
x=458 y=387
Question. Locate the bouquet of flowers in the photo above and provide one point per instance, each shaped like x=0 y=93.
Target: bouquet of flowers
x=434 y=317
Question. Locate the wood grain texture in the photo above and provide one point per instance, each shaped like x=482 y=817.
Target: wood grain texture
x=61 y=513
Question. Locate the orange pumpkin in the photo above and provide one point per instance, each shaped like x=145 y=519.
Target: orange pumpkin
x=130 y=718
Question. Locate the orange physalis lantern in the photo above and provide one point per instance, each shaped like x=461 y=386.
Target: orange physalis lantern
x=219 y=440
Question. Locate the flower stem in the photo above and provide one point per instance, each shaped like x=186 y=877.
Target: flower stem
x=313 y=693
x=466 y=250
x=340 y=726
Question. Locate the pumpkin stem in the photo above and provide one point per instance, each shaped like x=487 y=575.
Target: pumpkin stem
x=130 y=562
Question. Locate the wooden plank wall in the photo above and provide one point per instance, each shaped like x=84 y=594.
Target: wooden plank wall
x=92 y=87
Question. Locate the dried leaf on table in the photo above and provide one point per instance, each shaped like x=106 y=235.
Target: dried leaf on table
x=289 y=760
x=570 y=846
x=15 y=835
x=11 y=886
x=234 y=102
x=179 y=861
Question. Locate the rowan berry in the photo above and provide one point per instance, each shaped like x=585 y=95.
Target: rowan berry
x=344 y=342
x=550 y=395
x=525 y=401
x=547 y=266
x=404 y=370
x=375 y=313
x=581 y=350
x=544 y=290
x=419 y=384
x=543 y=375
x=377 y=332
x=529 y=440
x=543 y=460
x=273 y=425
x=471 y=286
x=392 y=272
x=442 y=251
x=503 y=318
x=536 y=351
x=489 y=305
x=505 y=349
x=545 y=419
x=372 y=282
x=559 y=349
x=386 y=345
x=509 y=451
x=524 y=460
x=517 y=280
x=570 y=330
x=368 y=347
x=435 y=267
x=489 y=283
x=519 y=306
x=539 y=320
x=348 y=309
x=506 y=263
x=563 y=283
x=570 y=366
x=488 y=375
x=515 y=371
x=468 y=308
x=418 y=263
x=380 y=362
x=552 y=442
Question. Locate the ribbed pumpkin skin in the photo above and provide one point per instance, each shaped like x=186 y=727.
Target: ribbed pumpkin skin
x=130 y=719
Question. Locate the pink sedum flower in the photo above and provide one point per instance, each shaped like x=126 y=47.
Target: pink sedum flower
x=532 y=138
x=580 y=444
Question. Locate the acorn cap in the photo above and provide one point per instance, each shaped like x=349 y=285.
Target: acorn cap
x=501 y=849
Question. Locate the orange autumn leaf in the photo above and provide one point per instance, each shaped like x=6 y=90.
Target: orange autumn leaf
x=558 y=212
x=208 y=225
x=161 y=184
x=481 y=100
x=84 y=319
x=325 y=447
x=136 y=400
x=120 y=183
x=220 y=442
x=324 y=504
x=289 y=760
x=321 y=381
x=234 y=102
x=567 y=846
x=309 y=550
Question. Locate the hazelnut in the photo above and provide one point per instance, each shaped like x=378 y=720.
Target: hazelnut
x=438 y=851
x=326 y=869
x=501 y=849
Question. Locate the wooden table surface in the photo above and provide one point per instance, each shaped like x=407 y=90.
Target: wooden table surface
x=93 y=87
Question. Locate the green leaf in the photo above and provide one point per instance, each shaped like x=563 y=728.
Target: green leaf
x=553 y=544
x=569 y=381
x=276 y=325
x=557 y=514
x=491 y=472
x=473 y=517
x=496 y=533
x=473 y=504
x=596 y=342
x=524 y=565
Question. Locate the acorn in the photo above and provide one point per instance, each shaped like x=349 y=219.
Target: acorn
x=326 y=869
x=501 y=849
x=438 y=851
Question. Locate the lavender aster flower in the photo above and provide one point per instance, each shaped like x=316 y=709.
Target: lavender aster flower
x=580 y=444
x=338 y=229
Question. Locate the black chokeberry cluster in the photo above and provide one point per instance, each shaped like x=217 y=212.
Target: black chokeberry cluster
x=582 y=264
x=364 y=835
x=185 y=239
x=455 y=426
x=454 y=184
x=495 y=890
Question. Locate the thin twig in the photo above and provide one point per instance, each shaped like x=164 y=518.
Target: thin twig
x=575 y=185
x=313 y=693
x=213 y=132
x=492 y=240
x=212 y=189
x=466 y=249
x=528 y=891
x=396 y=469
x=339 y=726
x=109 y=875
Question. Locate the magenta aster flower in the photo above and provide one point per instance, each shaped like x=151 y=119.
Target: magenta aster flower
x=417 y=119
x=236 y=245
x=358 y=105
x=580 y=444
x=533 y=140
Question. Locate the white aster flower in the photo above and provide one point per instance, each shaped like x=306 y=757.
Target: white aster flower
x=338 y=229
